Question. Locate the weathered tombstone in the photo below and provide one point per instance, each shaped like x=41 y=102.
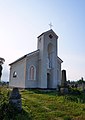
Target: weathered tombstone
x=63 y=82
x=64 y=88
x=82 y=86
x=15 y=99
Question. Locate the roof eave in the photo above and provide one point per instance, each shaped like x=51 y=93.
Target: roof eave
x=32 y=53
x=60 y=59
x=47 y=32
x=17 y=60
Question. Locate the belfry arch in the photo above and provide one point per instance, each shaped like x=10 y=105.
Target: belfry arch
x=50 y=51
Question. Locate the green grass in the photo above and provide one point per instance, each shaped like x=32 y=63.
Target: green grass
x=38 y=105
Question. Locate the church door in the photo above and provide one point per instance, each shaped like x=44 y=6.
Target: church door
x=48 y=80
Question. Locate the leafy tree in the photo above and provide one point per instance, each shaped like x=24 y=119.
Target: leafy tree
x=2 y=60
x=1 y=70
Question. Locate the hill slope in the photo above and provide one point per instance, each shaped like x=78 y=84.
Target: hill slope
x=38 y=105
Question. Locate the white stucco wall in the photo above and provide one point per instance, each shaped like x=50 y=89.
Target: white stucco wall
x=19 y=67
x=32 y=61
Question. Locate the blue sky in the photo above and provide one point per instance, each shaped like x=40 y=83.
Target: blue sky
x=21 y=21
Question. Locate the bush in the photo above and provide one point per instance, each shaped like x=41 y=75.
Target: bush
x=67 y=118
x=74 y=91
x=71 y=98
x=7 y=111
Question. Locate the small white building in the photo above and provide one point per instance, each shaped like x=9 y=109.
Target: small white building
x=38 y=69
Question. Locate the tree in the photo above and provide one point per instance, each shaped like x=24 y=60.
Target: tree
x=2 y=60
x=1 y=70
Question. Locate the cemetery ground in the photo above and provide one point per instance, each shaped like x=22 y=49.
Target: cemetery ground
x=43 y=105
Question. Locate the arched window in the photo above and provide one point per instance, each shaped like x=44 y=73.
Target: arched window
x=32 y=73
x=14 y=74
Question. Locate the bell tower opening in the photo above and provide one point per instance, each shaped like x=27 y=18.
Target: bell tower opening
x=50 y=56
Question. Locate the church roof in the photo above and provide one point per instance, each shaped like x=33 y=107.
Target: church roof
x=29 y=54
x=59 y=59
x=48 y=32
x=34 y=52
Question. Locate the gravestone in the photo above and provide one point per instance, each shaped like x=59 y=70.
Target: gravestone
x=63 y=81
x=64 y=87
x=83 y=86
x=15 y=99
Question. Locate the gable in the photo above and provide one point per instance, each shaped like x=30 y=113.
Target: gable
x=49 y=32
x=59 y=60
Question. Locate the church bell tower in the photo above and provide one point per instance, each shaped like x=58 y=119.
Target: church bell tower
x=47 y=45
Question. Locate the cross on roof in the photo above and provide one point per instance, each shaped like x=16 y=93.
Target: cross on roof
x=50 y=25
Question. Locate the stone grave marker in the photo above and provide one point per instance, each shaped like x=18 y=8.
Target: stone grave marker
x=15 y=99
x=64 y=88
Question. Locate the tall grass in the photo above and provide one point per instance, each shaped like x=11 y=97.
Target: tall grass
x=40 y=105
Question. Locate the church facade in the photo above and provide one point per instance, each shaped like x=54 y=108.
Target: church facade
x=40 y=68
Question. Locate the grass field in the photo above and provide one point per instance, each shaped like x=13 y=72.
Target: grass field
x=41 y=105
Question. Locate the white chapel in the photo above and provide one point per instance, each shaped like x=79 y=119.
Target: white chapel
x=40 y=68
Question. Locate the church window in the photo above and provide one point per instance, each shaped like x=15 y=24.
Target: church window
x=40 y=40
x=32 y=73
x=14 y=74
x=50 y=36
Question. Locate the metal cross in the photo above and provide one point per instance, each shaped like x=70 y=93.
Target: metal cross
x=50 y=25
